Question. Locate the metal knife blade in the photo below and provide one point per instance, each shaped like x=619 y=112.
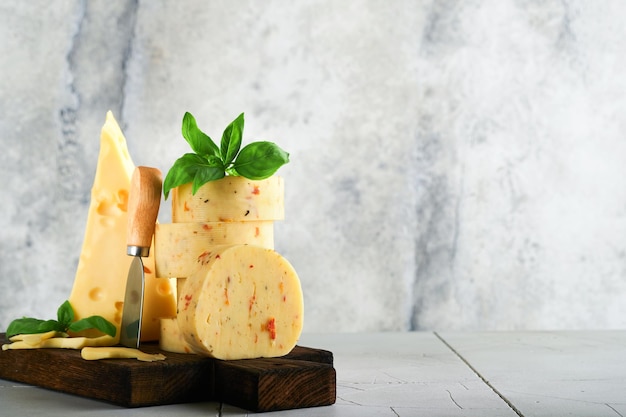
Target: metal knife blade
x=143 y=207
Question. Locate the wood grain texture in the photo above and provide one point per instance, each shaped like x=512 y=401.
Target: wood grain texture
x=303 y=378
x=270 y=384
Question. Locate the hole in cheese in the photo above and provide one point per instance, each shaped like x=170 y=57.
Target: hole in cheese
x=107 y=221
x=96 y=294
x=108 y=207
x=122 y=198
x=164 y=288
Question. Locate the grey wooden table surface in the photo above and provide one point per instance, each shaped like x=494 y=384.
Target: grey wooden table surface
x=575 y=373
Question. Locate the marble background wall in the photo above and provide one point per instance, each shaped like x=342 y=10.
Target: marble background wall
x=454 y=164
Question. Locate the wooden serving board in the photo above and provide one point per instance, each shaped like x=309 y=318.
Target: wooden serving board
x=303 y=378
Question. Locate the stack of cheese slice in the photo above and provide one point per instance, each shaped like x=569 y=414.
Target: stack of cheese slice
x=237 y=297
x=100 y=282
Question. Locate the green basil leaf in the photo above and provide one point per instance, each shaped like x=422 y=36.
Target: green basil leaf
x=200 y=142
x=65 y=314
x=256 y=161
x=94 y=322
x=28 y=325
x=185 y=168
x=231 y=140
x=206 y=174
x=260 y=160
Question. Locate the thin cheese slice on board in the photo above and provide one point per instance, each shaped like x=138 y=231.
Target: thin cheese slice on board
x=100 y=281
x=180 y=247
x=244 y=302
x=230 y=199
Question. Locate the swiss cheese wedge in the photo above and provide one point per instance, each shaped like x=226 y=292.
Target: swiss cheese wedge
x=100 y=282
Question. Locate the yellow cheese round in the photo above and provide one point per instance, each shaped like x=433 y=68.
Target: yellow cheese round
x=180 y=247
x=171 y=338
x=230 y=199
x=244 y=302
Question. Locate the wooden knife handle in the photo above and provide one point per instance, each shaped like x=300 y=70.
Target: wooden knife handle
x=143 y=208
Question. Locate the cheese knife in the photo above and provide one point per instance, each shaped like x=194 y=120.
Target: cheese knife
x=143 y=207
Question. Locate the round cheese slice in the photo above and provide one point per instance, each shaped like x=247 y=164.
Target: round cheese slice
x=244 y=302
x=180 y=247
x=230 y=199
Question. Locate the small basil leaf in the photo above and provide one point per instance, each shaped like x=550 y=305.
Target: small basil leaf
x=231 y=140
x=206 y=174
x=260 y=160
x=48 y=325
x=65 y=314
x=200 y=142
x=182 y=172
x=93 y=322
x=29 y=325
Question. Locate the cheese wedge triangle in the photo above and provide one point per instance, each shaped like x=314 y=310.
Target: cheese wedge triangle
x=100 y=280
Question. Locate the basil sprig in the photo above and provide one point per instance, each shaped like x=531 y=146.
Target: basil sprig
x=255 y=161
x=63 y=324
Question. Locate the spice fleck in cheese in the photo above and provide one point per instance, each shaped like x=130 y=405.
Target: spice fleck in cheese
x=244 y=302
x=100 y=281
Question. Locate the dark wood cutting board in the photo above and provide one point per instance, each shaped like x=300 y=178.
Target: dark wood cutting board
x=303 y=378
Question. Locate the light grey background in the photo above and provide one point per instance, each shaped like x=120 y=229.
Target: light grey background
x=454 y=164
